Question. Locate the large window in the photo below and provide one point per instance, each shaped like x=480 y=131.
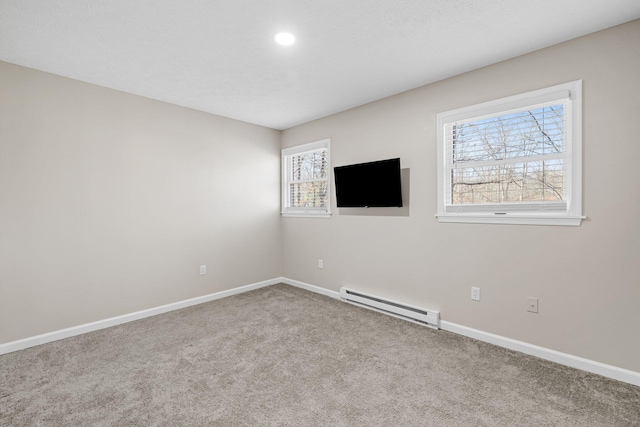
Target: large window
x=305 y=180
x=515 y=160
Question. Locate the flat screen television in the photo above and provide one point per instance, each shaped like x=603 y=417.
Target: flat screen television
x=369 y=185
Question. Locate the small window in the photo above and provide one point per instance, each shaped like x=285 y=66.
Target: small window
x=305 y=180
x=516 y=160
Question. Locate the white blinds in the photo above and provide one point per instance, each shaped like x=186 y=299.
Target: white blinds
x=515 y=160
x=305 y=179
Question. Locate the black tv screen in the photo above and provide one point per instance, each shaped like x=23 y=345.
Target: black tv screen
x=373 y=184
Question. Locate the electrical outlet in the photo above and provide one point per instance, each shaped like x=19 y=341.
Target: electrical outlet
x=532 y=304
x=320 y=263
x=475 y=294
x=203 y=270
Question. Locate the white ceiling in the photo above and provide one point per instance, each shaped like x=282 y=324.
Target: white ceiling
x=219 y=56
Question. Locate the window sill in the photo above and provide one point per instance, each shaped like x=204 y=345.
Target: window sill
x=306 y=214
x=516 y=219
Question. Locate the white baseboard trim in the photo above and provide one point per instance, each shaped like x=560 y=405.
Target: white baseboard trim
x=312 y=288
x=605 y=370
x=588 y=365
x=113 y=321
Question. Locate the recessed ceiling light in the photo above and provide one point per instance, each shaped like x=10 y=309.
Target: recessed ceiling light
x=285 y=39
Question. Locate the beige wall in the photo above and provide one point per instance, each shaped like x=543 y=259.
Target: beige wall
x=587 y=278
x=110 y=202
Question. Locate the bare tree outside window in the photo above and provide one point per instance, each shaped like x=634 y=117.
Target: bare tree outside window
x=512 y=158
x=307 y=176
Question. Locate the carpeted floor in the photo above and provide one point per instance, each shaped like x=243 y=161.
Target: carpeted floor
x=282 y=356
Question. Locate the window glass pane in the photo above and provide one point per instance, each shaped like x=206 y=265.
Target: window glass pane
x=308 y=194
x=535 y=132
x=308 y=166
x=535 y=181
x=503 y=143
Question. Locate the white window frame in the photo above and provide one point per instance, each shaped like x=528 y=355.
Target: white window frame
x=571 y=93
x=287 y=210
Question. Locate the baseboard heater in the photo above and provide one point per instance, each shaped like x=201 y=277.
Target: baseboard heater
x=414 y=314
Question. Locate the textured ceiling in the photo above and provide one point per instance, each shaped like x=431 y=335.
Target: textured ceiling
x=219 y=55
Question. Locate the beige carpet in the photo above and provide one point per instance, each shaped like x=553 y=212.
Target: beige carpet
x=281 y=356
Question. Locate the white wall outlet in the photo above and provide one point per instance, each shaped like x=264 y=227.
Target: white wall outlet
x=203 y=270
x=475 y=294
x=320 y=263
x=532 y=304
